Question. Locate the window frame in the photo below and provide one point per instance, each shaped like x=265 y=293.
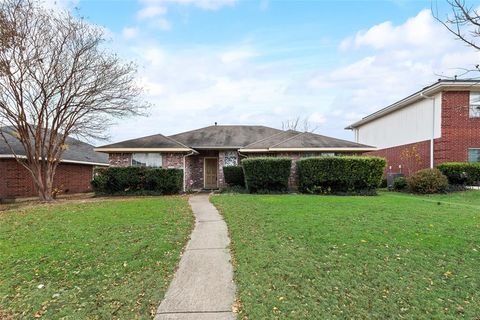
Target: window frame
x=233 y=152
x=478 y=155
x=146 y=165
x=474 y=108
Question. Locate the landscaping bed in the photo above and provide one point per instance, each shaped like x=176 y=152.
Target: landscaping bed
x=391 y=256
x=102 y=259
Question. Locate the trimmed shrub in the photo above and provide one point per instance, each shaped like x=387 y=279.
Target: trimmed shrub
x=137 y=180
x=461 y=173
x=400 y=183
x=340 y=174
x=427 y=181
x=266 y=174
x=234 y=176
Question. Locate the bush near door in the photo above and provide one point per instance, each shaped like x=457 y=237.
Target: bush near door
x=138 y=180
x=234 y=176
x=460 y=173
x=266 y=174
x=340 y=174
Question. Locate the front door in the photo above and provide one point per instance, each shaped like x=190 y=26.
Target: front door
x=210 y=173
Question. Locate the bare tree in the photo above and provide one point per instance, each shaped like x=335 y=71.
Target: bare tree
x=298 y=124
x=463 y=21
x=57 y=80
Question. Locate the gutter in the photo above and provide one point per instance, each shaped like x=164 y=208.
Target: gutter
x=11 y=156
x=432 y=139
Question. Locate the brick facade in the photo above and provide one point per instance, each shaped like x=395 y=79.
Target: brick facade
x=194 y=165
x=16 y=181
x=120 y=159
x=459 y=133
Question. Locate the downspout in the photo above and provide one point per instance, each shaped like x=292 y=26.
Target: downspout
x=185 y=169
x=432 y=139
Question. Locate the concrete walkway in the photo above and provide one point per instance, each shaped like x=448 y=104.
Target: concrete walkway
x=203 y=286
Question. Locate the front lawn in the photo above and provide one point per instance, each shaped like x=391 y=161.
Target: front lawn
x=394 y=256
x=110 y=259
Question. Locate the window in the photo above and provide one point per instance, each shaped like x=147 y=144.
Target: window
x=319 y=154
x=231 y=158
x=474 y=155
x=146 y=160
x=474 y=105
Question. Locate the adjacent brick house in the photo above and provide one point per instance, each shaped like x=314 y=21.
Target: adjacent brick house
x=73 y=174
x=440 y=123
x=203 y=153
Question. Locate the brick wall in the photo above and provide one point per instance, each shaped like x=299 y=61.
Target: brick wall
x=459 y=133
x=407 y=158
x=194 y=169
x=120 y=159
x=16 y=181
x=172 y=160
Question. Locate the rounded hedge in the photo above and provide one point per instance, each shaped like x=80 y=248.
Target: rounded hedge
x=266 y=174
x=427 y=181
x=234 y=176
x=137 y=180
x=460 y=173
x=400 y=183
x=340 y=174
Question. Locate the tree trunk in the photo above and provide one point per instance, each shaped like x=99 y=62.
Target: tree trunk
x=43 y=180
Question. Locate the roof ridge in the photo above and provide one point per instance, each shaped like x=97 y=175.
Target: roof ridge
x=261 y=140
x=297 y=135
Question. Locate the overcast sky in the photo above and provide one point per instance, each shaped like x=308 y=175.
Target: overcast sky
x=263 y=62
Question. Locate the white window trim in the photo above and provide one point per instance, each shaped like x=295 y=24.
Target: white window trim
x=468 y=154
x=475 y=105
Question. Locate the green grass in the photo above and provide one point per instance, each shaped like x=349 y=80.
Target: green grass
x=394 y=256
x=108 y=259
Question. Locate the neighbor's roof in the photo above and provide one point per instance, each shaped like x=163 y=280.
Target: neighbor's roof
x=244 y=138
x=224 y=137
x=427 y=92
x=157 y=142
x=77 y=151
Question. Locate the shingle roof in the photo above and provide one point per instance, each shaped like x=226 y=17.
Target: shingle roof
x=77 y=151
x=245 y=138
x=272 y=140
x=310 y=140
x=224 y=137
x=157 y=141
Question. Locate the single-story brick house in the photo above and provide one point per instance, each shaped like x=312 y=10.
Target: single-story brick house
x=73 y=174
x=203 y=153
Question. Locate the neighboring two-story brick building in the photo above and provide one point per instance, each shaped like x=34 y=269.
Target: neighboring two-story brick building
x=440 y=123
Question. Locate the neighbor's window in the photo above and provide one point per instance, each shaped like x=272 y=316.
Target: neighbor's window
x=474 y=105
x=146 y=160
x=231 y=158
x=474 y=155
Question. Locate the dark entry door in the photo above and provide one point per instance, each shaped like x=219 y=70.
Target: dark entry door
x=210 y=173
